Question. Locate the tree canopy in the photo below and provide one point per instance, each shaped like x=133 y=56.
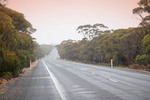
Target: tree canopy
x=17 y=47
x=91 y=31
x=144 y=12
x=124 y=46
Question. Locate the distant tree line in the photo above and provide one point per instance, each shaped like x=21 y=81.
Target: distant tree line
x=17 y=46
x=124 y=46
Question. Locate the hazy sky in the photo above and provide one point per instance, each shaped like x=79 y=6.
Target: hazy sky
x=57 y=20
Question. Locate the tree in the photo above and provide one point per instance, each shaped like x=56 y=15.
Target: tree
x=20 y=23
x=119 y=46
x=144 y=59
x=17 y=47
x=144 y=12
x=4 y=2
x=91 y=31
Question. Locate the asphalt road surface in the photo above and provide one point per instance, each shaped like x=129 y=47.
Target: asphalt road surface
x=55 y=79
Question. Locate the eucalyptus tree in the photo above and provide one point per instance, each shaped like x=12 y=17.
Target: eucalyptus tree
x=17 y=47
x=91 y=31
x=4 y=2
x=144 y=12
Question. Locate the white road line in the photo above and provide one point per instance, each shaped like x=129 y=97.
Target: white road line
x=110 y=79
x=56 y=83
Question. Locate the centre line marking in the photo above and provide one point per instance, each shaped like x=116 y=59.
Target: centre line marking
x=110 y=79
x=56 y=83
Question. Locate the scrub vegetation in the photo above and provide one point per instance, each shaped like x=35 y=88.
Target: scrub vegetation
x=127 y=47
x=17 y=46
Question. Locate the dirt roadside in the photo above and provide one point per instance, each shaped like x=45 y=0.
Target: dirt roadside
x=5 y=84
x=126 y=68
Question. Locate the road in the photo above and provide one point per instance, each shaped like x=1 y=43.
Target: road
x=55 y=79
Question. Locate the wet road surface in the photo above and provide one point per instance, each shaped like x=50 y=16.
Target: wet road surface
x=55 y=79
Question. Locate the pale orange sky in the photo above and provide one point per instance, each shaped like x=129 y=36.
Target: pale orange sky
x=57 y=20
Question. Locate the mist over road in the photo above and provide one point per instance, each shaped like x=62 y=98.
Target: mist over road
x=55 y=79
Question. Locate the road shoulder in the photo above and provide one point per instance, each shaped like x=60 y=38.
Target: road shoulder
x=6 y=85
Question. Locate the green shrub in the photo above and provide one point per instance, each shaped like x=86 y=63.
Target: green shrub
x=10 y=64
x=7 y=75
x=142 y=59
x=33 y=58
x=146 y=44
x=24 y=58
x=13 y=65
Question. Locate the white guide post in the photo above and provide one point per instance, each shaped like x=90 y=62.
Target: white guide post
x=111 y=63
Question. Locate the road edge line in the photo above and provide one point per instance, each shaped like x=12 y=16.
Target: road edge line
x=56 y=83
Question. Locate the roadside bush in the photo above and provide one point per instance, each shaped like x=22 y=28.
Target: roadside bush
x=7 y=75
x=2 y=57
x=33 y=58
x=142 y=59
x=24 y=58
x=13 y=64
x=145 y=58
